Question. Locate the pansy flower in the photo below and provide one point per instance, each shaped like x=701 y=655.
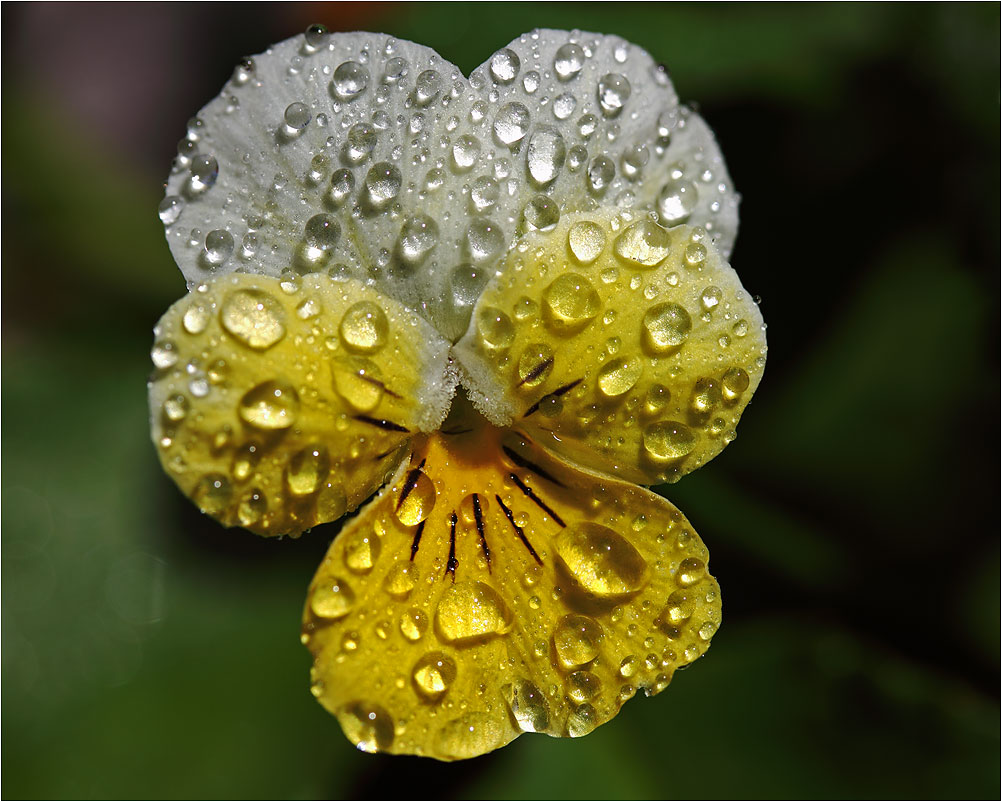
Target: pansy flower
x=502 y=305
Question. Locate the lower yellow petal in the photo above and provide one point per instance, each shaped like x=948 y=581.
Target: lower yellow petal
x=492 y=589
x=281 y=404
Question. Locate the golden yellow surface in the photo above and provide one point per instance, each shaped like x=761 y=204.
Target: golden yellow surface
x=279 y=404
x=492 y=589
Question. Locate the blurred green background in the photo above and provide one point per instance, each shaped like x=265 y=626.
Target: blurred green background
x=148 y=652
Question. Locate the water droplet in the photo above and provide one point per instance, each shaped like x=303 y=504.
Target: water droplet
x=633 y=161
x=657 y=399
x=582 y=720
x=316 y=37
x=545 y=155
x=628 y=667
x=583 y=686
x=164 y=354
x=541 y=213
x=213 y=493
x=484 y=240
x=175 y=408
x=359 y=143
x=331 y=502
x=204 y=171
x=364 y=328
x=218 y=247
x=619 y=376
x=470 y=611
x=512 y=123
x=484 y=193
x=367 y=726
x=695 y=255
x=254 y=318
x=342 y=185
x=705 y=397
x=527 y=705
x=170 y=209
x=568 y=61
x=433 y=674
x=418 y=237
x=465 y=151
x=711 y=297
x=297 y=116
x=426 y=87
x=470 y=735
x=707 y=630
x=535 y=365
x=690 y=571
x=601 y=172
x=613 y=92
x=307 y=469
x=467 y=283
x=668 y=440
x=416 y=500
x=332 y=598
x=666 y=327
x=271 y=405
x=252 y=508
x=382 y=185
x=735 y=382
x=530 y=81
x=396 y=68
x=576 y=640
x=413 y=624
x=243 y=72
x=601 y=561
x=361 y=550
x=586 y=241
x=350 y=80
x=401 y=580
x=679 y=607
x=676 y=201
x=357 y=381
x=570 y=302
x=504 y=66
x=496 y=330
x=644 y=243
x=564 y=106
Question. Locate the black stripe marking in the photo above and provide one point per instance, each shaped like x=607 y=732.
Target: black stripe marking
x=453 y=564
x=536 y=499
x=417 y=540
x=381 y=423
x=478 y=516
x=537 y=371
x=555 y=394
x=453 y=432
x=387 y=453
x=377 y=383
x=518 y=530
x=409 y=484
x=529 y=465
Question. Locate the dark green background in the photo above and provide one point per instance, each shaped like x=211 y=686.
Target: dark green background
x=853 y=524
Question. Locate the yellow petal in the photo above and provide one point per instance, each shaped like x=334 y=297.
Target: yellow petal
x=624 y=346
x=492 y=589
x=281 y=404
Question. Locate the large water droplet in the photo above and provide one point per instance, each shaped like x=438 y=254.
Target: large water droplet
x=254 y=318
x=164 y=354
x=484 y=193
x=470 y=735
x=582 y=720
x=666 y=327
x=364 y=328
x=690 y=571
x=535 y=365
x=367 y=726
x=512 y=123
x=601 y=561
x=297 y=116
x=350 y=80
x=307 y=469
x=601 y=172
x=564 y=106
x=218 y=247
x=668 y=440
x=433 y=674
x=426 y=87
x=676 y=201
x=204 y=171
x=359 y=143
x=316 y=37
x=357 y=381
x=332 y=598
x=735 y=382
x=416 y=500
x=644 y=243
x=418 y=237
x=271 y=405
x=401 y=580
x=413 y=623
x=576 y=640
x=170 y=209
x=541 y=213
x=484 y=240
x=469 y=611
x=382 y=185
x=619 y=376
x=527 y=705
x=342 y=185
x=568 y=61
x=613 y=92
x=570 y=302
x=465 y=151
x=586 y=241
x=545 y=155
x=504 y=66
x=583 y=686
x=496 y=330
x=361 y=550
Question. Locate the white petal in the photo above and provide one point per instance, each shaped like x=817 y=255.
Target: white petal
x=383 y=137
x=592 y=120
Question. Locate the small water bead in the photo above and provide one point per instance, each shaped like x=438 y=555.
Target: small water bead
x=496 y=330
x=426 y=87
x=361 y=550
x=633 y=161
x=586 y=241
x=541 y=213
x=342 y=185
x=657 y=399
x=433 y=674
x=204 y=171
x=484 y=193
x=613 y=92
x=307 y=469
x=576 y=156
x=243 y=72
x=570 y=302
x=530 y=81
x=484 y=240
x=705 y=397
x=364 y=328
x=170 y=209
x=601 y=172
x=527 y=705
x=359 y=143
x=213 y=494
x=418 y=238
x=465 y=151
x=535 y=365
x=619 y=376
x=350 y=80
x=367 y=726
x=711 y=297
x=469 y=611
x=676 y=201
x=164 y=354
x=331 y=502
x=395 y=69
x=218 y=247
x=602 y=562
x=297 y=116
x=568 y=61
x=504 y=66
x=512 y=123
x=186 y=149
x=735 y=382
x=644 y=243
x=582 y=720
x=252 y=508
x=467 y=283
x=245 y=460
x=740 y=328
x=545 y=155
x=413 y=624
x=668 y=440
x=401 y=581
x=707 y=630
x=470 y=735
x=416 y=500
x=175 y=408
x=316 y=36
x=583 y=686
x=690 y=571
x=576 y=640
x=678 y=609
x=382 y=185
x=587 y=125
x=695 y=255
x=628 y=667
x=564 y=106
x=332 y=598
x=357 y=381
x=271 y=406
x=434 y=179
x=666 y=327
x=254 y=318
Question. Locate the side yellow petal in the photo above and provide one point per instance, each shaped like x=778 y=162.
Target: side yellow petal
x=492 y=589
x=624 y=346
x=279 y=404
